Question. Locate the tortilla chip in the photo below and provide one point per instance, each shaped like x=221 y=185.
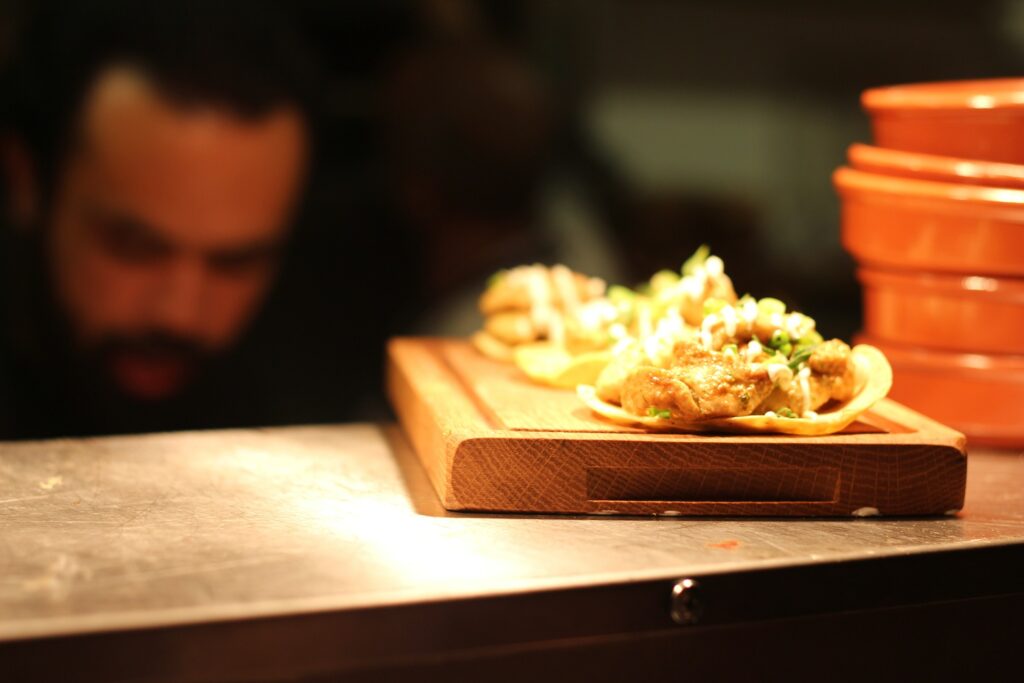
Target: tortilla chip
x=492 y=347
x=874 y=377
x=548 y=364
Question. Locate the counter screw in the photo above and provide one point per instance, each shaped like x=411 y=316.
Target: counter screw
x=687 y=607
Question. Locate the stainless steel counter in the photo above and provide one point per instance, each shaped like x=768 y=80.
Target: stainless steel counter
x=159 y=534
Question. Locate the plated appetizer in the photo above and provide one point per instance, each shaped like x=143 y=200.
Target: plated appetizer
x=681 y=352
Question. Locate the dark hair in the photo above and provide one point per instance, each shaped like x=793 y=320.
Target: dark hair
x=243 y=56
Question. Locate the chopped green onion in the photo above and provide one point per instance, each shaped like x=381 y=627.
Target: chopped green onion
x=812 y=338
x=785 y=411
x=659 y=412
x=495 y=278
x=769 y=306
x=713 y=305
x=744 y=299
x=697 y=260
x=779 y=339
x=786 y=349
x=663 y=279
x=800 y=357
x=618 y=293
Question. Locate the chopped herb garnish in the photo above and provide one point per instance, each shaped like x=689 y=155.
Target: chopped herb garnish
x=786 y=412
x=654 y=411
x=697 y=260
x=812 y=338
x=713 y=305
x=663 y=279
x=618 y=293
x=800 y=357
x=770 y=305
x=779 y=338
x=495 y=278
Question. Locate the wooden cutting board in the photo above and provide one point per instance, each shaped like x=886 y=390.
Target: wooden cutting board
x=491 y=440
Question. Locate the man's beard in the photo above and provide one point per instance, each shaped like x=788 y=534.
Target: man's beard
x=149 y=367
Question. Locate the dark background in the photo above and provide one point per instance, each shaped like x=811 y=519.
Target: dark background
x=613 y=135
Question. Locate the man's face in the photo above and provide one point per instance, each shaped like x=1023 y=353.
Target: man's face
x=166 y=228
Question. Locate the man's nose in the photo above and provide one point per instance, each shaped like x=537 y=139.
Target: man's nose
x=180 y=298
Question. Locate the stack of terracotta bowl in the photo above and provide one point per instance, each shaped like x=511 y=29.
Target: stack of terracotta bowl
x=934 y=216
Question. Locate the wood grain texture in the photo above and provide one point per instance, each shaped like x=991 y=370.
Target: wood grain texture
x=490 y=440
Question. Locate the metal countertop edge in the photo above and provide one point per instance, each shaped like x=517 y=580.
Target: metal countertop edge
x=638 y=604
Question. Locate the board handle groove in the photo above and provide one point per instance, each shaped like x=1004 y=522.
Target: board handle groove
x=725 y=485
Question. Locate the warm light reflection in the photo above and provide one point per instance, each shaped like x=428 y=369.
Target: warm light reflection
x=997 y=194
x=981 y=102
x=979 y=284
x=404 y=539
x=963 y=168
x=375 y=522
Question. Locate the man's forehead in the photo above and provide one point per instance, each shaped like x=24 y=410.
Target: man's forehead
x=202 y=172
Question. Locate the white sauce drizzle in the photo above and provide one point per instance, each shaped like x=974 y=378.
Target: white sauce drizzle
x=556 y=329
x=749 y=311
x=691 y=287
x=565 y=285
x=539 y=290
x=729 y=317
x=753 y=349
x=596 y=314
x=714 y=266
x=805 y=390
x=793 y=324
x=705 y=330
x=651 y=347
x=780 y=374
x=644 y=322
x=542 y=284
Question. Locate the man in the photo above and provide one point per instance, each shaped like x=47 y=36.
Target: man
x=155 y=163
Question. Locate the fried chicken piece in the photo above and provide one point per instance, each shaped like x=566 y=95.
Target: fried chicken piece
x=613 y=377
x=742 y=330
x=831 y=363
x=524 y=287
x=699 y=385
x=830 y=358
x=511 y=327
x=717 y=287
x=830 y=375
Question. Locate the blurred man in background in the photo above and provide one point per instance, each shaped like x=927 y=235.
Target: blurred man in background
x=204 y=228
x=155 y=162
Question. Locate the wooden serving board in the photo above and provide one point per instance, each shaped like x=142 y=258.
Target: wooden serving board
x=491 y=440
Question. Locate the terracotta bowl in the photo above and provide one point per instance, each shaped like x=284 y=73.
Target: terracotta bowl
x=967 y=313
x=978 y=394
x=920 y=224
x=970 y=119
x=930 y=167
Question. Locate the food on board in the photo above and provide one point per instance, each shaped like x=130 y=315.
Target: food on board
x=680 y=352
